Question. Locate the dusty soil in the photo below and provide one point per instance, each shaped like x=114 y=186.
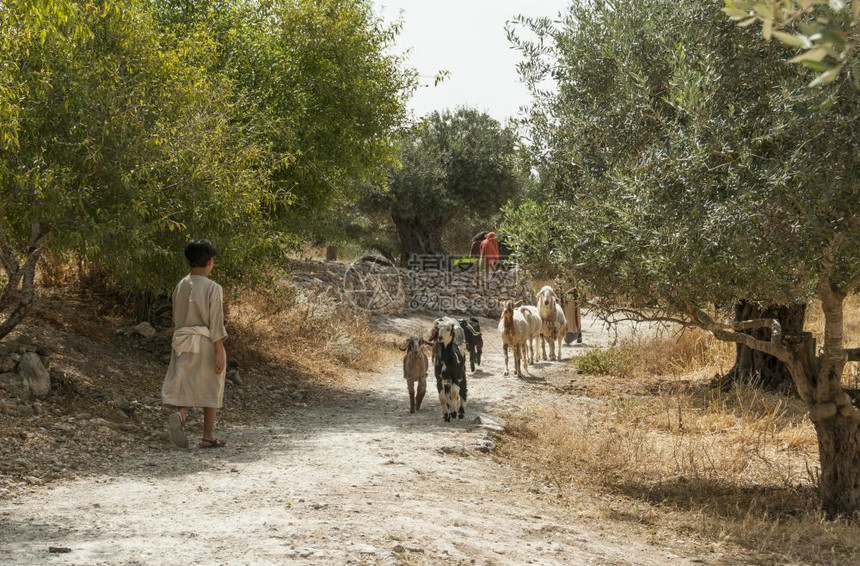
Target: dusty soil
x=339 y=474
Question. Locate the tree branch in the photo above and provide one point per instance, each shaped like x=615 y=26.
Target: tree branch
x=853 y=354
x=612 y=315
x=731 y=332
x=27 y=275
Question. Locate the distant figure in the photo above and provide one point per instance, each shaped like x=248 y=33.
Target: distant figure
x=475 y=249
x=571 y=306
x=490 y=252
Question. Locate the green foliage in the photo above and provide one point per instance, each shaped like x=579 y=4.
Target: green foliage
x=826 y=31
x=615 y=361
x=529 y=234
x=128 y=127
x=683 y=164
x=123 y=149
x=454 y=166
x=316 y=81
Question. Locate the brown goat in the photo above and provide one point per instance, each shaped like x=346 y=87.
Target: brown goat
x=415 y=370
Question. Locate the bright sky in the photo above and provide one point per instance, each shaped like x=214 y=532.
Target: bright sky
x=466 y=38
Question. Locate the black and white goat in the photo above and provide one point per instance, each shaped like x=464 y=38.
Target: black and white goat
x=415 y=371
x=449 y=366
x=474 y=340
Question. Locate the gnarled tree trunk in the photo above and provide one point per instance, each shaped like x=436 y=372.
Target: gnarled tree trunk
x=770 y=373
x=839 y=454
x=818 y=380
x=836 y=421
x=17 y=293
x=419 y=236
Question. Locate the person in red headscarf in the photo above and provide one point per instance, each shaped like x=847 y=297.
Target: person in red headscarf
x=490 y=251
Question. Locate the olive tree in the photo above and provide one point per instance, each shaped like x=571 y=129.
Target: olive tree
x=451 y=165
x=686 y=169
x=827 y=32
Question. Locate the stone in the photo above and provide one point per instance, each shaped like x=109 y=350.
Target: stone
x=37 y=376
x=485 y=446
x=15 y=384
x=8 y=347
x=145 y=329
x=234 y=377
x=7 y=364
x=458 y=450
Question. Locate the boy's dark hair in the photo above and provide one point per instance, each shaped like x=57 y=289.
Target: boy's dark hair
x=199 y=252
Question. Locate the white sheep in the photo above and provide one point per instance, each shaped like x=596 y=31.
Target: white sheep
x=415 y=371
x=554 y=323
x=532 y=316
x=514 y=331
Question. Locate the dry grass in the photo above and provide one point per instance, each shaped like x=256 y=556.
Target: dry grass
x=637 y=356
x=294 y=327
x=662 y=450
x=815 y=324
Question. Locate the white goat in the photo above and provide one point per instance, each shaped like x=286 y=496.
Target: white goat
x=514 y=331
x=532 y=316
x=554 y=323
x=415 y=371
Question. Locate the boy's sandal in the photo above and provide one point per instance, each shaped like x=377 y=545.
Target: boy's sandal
x=214 y=443
x=176 y=426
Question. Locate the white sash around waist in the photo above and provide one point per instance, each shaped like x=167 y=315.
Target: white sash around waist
x=187 y=339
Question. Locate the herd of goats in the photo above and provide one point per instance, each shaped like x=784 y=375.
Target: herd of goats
x=555 y=316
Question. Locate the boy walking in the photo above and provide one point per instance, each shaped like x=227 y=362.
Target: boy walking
x=195 y=376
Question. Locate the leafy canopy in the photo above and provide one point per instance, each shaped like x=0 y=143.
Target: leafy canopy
x=682 y=162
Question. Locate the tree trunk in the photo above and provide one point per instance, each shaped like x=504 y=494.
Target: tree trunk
x=839 y=454
x=769 y=372
x=19 y=289
x=836 y=420
x=419 y=236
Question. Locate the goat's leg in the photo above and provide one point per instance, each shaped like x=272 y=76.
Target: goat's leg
x=443 y=398
x=517 y=361
x=464 y=394
x=525 y=357
x=422 y=389
x=558 y=345
x=543 y=346
x=505 y=349
x=410 y=384
x=453 y=400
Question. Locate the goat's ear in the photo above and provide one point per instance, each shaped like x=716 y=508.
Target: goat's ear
x=518 y=304
x=403 y=347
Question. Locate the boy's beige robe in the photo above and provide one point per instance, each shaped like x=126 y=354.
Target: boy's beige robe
x=191 y=380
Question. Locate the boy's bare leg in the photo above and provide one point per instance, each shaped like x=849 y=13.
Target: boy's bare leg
x=209 y=423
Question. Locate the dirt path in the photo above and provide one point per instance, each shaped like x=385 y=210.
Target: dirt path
x=354 y=480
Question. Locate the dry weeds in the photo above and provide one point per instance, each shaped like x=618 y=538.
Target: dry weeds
x=662 y=450
x=288 y=326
